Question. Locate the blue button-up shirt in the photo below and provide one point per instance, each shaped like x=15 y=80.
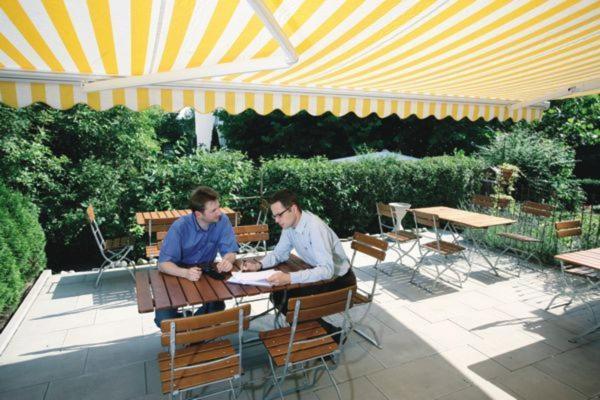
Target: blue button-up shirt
x=187 y=243
x=316 y=244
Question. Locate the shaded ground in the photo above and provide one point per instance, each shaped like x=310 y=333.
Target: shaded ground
x=489 y=340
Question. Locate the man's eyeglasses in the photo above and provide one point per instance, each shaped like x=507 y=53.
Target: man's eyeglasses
x=275 y=216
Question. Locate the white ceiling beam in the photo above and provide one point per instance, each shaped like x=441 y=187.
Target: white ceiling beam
x=270 y=22
x=208 y=71
x=205 y=71
x=582 y=87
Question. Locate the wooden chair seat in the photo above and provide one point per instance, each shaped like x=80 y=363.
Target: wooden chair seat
x=194 y=374
x=401 y=236
x=583 y=271
x=446 y=248
x=277 y=342
x=518 y=237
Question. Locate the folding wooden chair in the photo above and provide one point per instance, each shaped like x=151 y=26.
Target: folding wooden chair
x=304 y=345
x=202 y=362
x=399 y=237
x=114 y=252
x=252 y=238
x=440 y=247
x=576 y=280
x=375 y=248
x=527 y=234
x=489 y=205
x=153 y=250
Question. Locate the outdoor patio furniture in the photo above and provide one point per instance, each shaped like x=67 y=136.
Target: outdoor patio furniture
x=114 y=252
x=469 y=223
x=375 y=248
x=252 y=239
x=440 y=247
x=202 y=361
x=528 y=233
x=489 y=204
x=581 y=273
x=395 y=233
x=153 y=250
x=303 y=347
x=155 y=290
x=578 y=280
x=158 y=221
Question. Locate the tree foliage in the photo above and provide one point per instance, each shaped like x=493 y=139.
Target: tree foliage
x=303 y=135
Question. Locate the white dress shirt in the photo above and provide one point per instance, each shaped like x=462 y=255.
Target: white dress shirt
x=316 y=244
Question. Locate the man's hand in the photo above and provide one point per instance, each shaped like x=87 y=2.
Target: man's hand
x=193 y=274
x=279 y=278
x=251 y=265
x=224 y=265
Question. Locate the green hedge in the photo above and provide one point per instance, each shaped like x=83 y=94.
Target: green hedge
x=344 y=194
x=22 y=243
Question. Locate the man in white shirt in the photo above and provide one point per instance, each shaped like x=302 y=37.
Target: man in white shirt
x=314 y=242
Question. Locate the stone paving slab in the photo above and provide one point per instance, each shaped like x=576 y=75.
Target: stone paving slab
x=491 y=339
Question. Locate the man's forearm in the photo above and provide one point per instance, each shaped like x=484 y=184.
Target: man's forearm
x=170 y=268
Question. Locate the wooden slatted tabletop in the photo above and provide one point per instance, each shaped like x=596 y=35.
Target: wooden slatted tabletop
x=586 y=258
x=466 y=219
x=159 y=291
x=167 y=217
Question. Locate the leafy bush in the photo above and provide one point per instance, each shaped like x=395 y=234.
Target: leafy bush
x=303 y=135
x=169 y=184
x=22 y=243
x=546 y=164
x=344 y=194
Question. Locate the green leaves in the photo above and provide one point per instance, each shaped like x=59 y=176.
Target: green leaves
x=22 y=243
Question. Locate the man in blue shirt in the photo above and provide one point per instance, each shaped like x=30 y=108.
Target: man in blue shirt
x=195 y=239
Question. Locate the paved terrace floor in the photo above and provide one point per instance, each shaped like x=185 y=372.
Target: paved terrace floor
x=491 y=339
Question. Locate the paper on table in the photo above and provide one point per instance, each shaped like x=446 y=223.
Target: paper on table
x=252 y=278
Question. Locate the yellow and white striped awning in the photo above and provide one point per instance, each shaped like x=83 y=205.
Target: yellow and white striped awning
x=474 y=59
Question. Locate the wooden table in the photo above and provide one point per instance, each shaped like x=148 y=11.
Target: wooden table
x=468 y=219
x=589 y=259
x=162 y=220
x=158 y=291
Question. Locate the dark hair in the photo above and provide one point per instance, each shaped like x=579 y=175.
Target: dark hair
x=200 y=196
x=286 y=197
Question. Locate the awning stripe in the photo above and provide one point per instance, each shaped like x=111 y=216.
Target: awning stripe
x=104 y=34
x=140 y=34
x=63 y=96
x=57 y=12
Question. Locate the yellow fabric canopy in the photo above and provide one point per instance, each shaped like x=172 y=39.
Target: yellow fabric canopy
x=461 y=59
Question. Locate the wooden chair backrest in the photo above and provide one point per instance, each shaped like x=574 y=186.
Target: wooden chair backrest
x=251 y=233
x=426 y=219
x=537 y=209
x=160 y=236
x=483 y=201
x=91 y=215
x=369 y=245
x=204 y=327
x=318 y=305
x=567 y=228
x=385 y=210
